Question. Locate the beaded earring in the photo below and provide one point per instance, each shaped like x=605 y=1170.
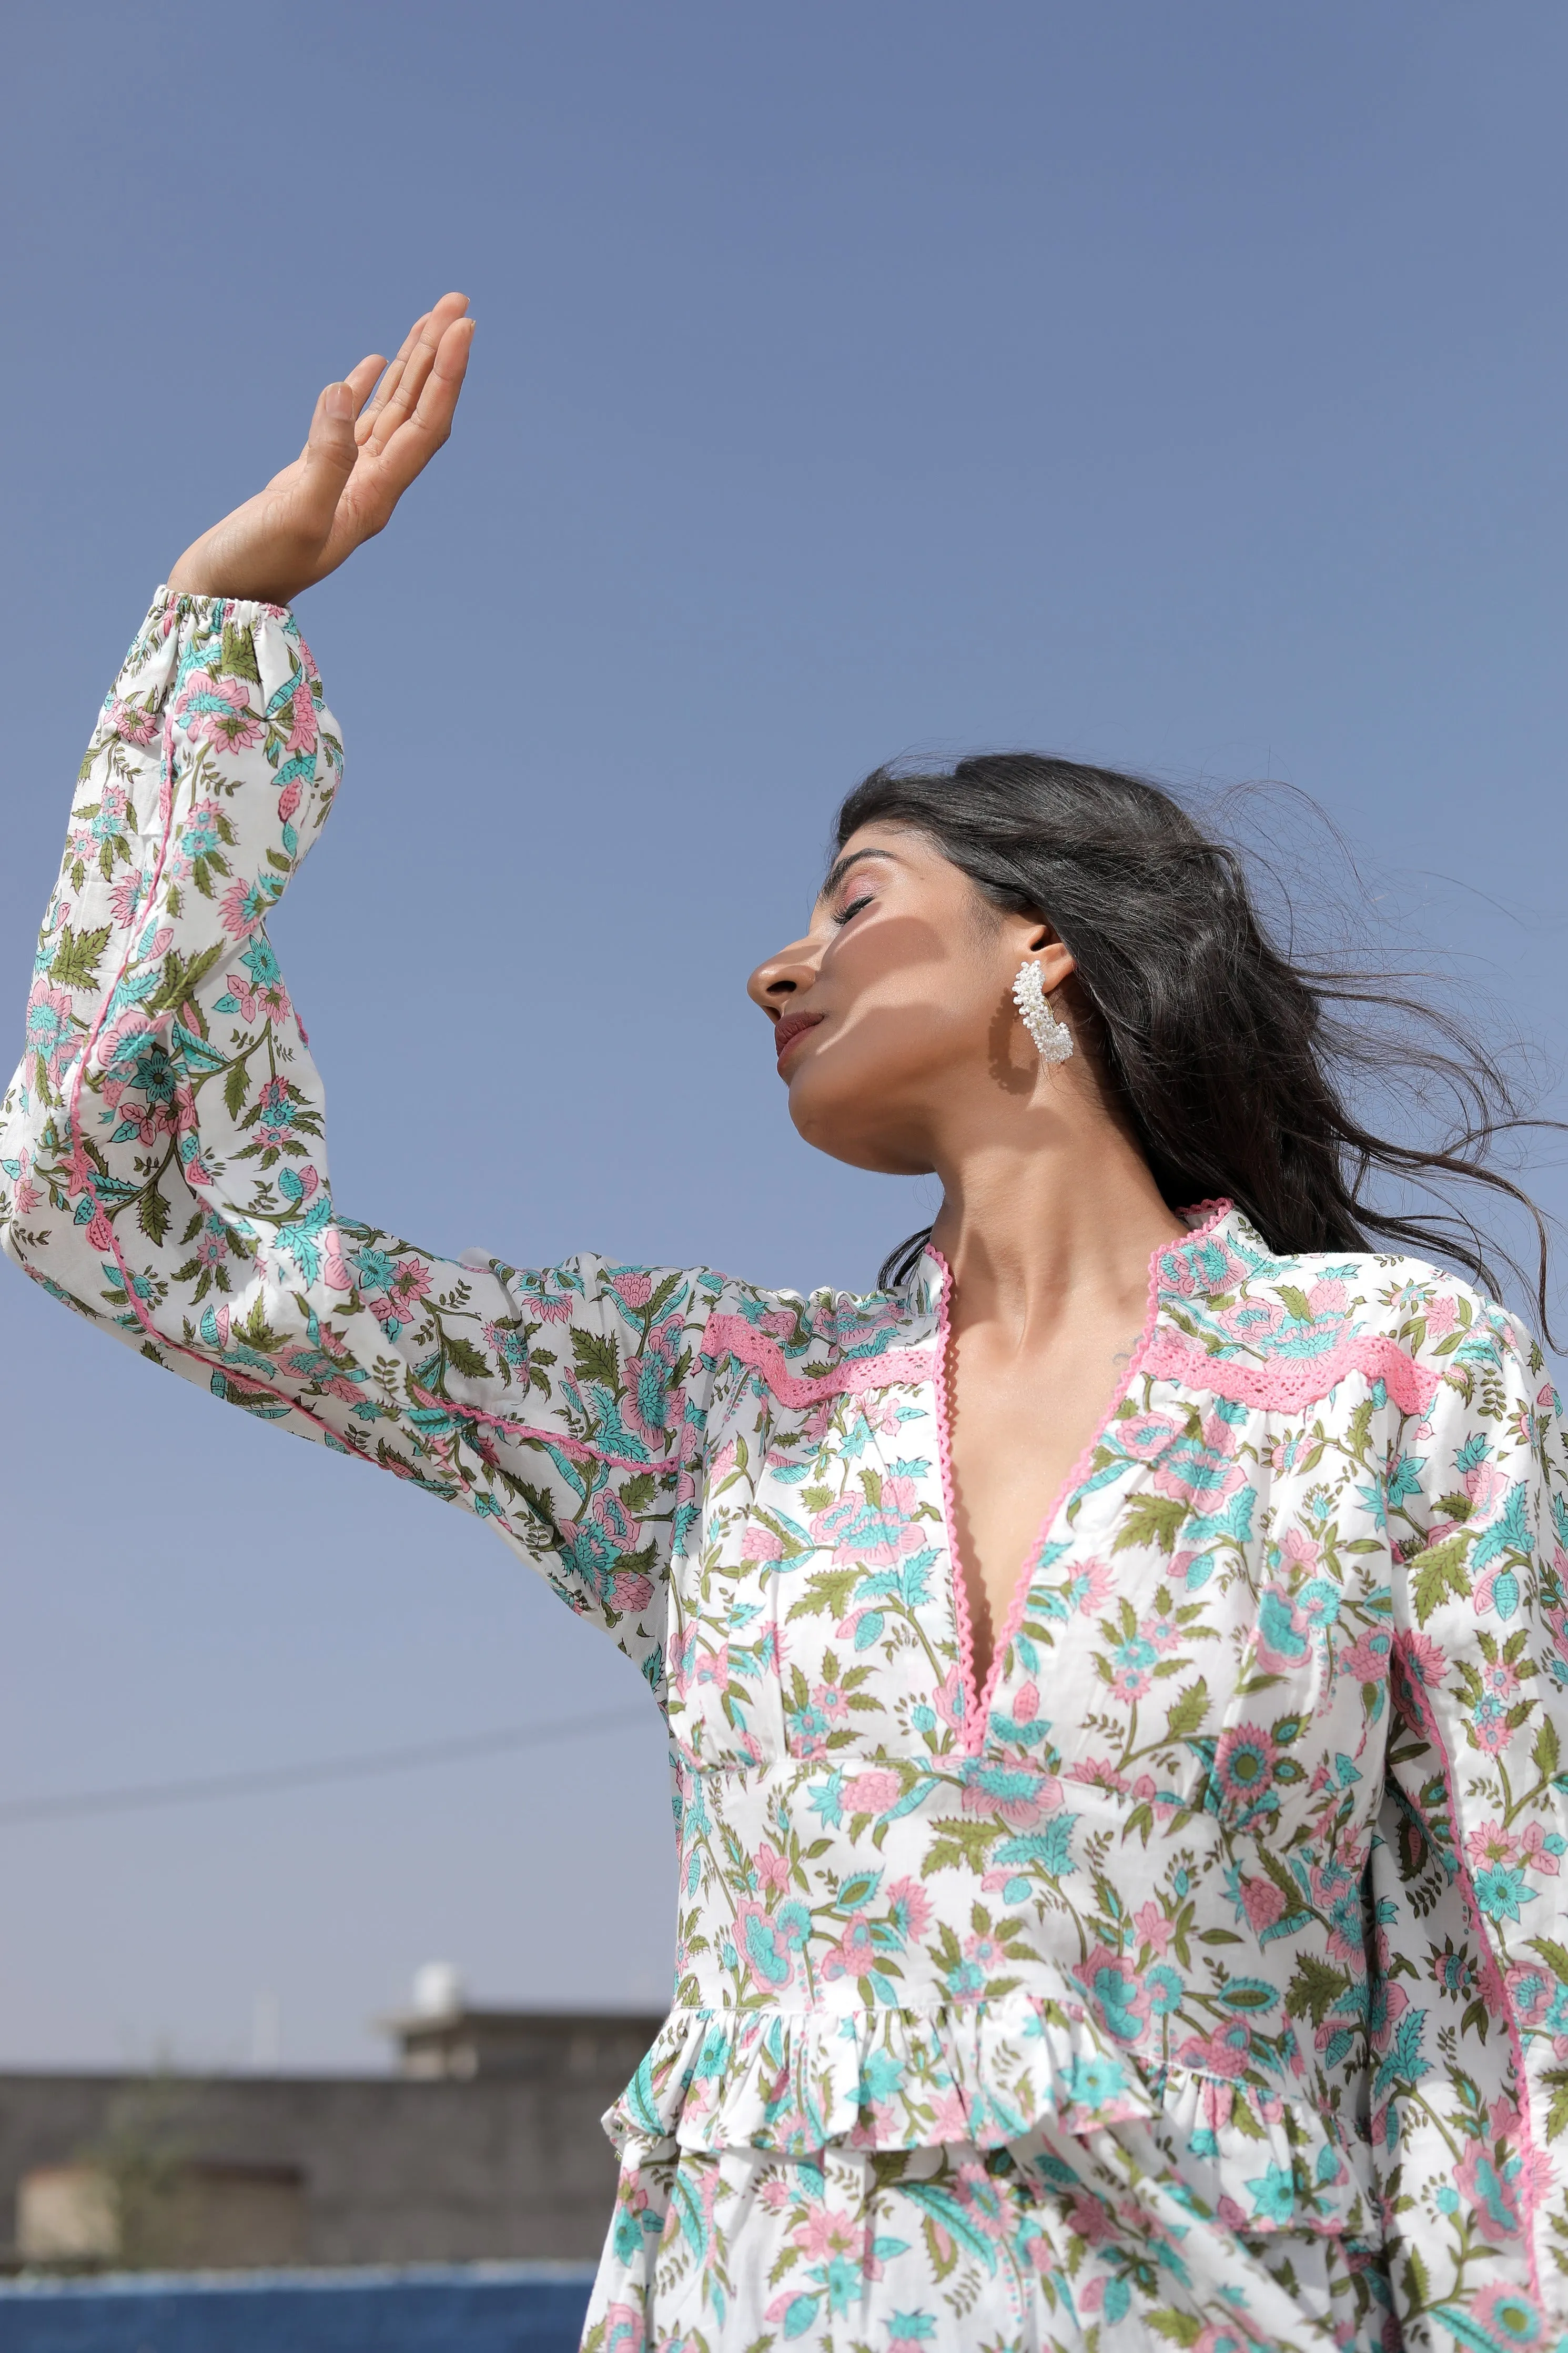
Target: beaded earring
x=1053 y=1038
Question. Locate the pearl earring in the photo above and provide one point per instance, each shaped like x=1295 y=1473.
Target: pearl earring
x=1053 y=1038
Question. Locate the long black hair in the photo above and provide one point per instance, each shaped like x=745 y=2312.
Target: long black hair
x=1237 y=1063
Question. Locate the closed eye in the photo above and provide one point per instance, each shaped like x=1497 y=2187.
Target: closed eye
x=853 y=909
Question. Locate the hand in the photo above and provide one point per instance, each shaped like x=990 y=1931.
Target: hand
x=355 y=465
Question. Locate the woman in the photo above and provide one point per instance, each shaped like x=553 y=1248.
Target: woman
x=1114 y=1670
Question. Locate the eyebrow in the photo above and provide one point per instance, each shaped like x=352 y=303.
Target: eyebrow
x=838 y=872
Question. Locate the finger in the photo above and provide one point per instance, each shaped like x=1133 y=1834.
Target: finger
x=417 y=440
x=403 y=397
x=389 y=382
x=327 y=462
x=361 y=380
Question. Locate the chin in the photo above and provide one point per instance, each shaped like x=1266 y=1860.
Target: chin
x=832 y=1121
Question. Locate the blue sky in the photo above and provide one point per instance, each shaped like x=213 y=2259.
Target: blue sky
x=1176 y=386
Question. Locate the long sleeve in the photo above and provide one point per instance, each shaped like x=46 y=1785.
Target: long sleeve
x=163 y=1163
x=1470 y=2089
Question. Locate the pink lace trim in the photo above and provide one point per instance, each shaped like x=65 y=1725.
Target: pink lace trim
x=977 y=1705
x=852 y=1376
x=1290 y=1386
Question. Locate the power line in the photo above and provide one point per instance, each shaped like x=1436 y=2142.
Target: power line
x=367 y=1766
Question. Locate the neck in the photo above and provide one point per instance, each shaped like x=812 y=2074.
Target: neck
x=1037 y=1226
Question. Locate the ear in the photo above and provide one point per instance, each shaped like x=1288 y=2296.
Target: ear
x=1051 y=953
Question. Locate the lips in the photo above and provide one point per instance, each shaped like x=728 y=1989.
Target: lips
x=793 y=1026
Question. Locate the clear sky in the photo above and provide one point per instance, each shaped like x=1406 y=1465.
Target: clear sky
x=1181 y=387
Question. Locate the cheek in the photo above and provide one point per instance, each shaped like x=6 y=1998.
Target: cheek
x=889 y=1044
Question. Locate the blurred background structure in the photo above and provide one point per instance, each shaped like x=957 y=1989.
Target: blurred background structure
x=1178 y=387
x=486 y=2145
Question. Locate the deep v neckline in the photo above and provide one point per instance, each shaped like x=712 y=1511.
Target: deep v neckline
x=978 y=1703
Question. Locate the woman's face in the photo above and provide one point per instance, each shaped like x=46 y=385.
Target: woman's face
x=895 y=1011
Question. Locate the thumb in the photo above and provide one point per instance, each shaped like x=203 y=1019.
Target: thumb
x=329 y=454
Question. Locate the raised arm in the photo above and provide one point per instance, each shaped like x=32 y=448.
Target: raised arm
x=163 y=1151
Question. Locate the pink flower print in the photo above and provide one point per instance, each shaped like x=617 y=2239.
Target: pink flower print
x=244 y=906
x=630 y=1589
x=1026 y=1705
x=1491 y=1843
x=1298 y=1549
x=853 y=1956
x=1144 y=1434
x=1129 y=1683
x=825 y=2233
x=759 y=1542
x=1262 y=1901
x=132 y=724
x=1500 y=1681
x=275 y=1123
x=1252 y=1321
x=1531 y=1993
x=1087 y=2219
x=632 y=1287
x=948 y=1699
x=713 y=1667
x=950 y=2120
x=1164 y=1632
x=986 y=2204
x=126 y=897
x=1228 y=2052
x=774 y=2194
x=622 y=2330
x=302 y=729
x=1486 y=1485
x=1099 y=1772
x=1153 y=1927
x=773 y=1868
x=830 y=1702
x=1092 y=1584
x=1243 y=1773
x=25 y=1193
x=1366 y=1660
x=1491 y=2191
x=1327 y=1297
x=910 y=1907
x=1510 y=2317
x=1020 y=1794
x=410 y=1282
x=1200 y=1474
x=217 y=711
x=875 y=1536
x=872 y=1793
x=1424 y=1658
x=51 y=1033
x=1442 y=1312
x=1118 y=1993
x=763 y=1945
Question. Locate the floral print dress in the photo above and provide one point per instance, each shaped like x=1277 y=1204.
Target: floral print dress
x=1203 y=1980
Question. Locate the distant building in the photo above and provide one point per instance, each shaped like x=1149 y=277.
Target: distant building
x=487 y=2145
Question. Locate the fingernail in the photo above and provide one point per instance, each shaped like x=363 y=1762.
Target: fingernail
x=338 y=400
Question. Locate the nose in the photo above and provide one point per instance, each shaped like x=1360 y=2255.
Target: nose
x=780 y=979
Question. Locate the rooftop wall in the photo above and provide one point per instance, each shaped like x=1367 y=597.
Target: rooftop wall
x=395 y=2170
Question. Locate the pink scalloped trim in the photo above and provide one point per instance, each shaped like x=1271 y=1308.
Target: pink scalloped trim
x=977 y=1705
x=1290 y=1386
x=851 y=1377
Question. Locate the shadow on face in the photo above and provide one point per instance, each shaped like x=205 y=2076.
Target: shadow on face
x=893 y=1011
